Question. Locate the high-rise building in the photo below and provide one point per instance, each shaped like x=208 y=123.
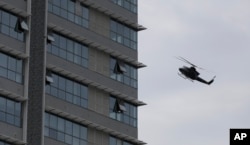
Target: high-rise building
x=68 y=72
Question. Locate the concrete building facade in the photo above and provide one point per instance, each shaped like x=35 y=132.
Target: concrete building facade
x=68 y=72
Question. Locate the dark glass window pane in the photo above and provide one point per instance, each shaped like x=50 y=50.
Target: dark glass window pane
x=46 y=119
x=5 y=18
x=63 y=43
x=18 y=109
x=10 y=119
x=5 y=29
x=84 y=92
x=62 y=83
x=62 y=54
x=17 y=121
x=82 y=142
x=69 y=97
x=13 y=33
x=46 y=131
x=76 y=130
x=64 y=4
x=112 y=141
x=11 y=63
x=69 y=85
x=76 y=100
x=76 y=141
x=2 y=104
x=60 y=136
x=71 y=6
x=20 y=36
x=3 y=72
x=84 y=103
x=85 y=12
x=85 y=52
x=13 y=20
x=83 y=131
x=77 y=90
x=55 y=50
x=56 y=10
x=54 y=91
x=68 y=127
x=53 y=122
x=61 y=94
x=3 y=60
x=69 y=56
x=2 y=116
x=19 y=67
x=64 y=14
x=68 y=139
x=10 y=107
x=70 y=46
x=61 y=123
x=56 y=2
x=11 y=75
x=52 y=133
x=113 y=26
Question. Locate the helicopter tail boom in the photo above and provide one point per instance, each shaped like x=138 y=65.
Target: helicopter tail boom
x=205 y=82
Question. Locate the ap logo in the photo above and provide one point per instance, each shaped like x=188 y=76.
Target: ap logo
x=239 y=136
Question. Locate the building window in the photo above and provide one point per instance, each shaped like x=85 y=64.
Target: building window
x=68 y=90
x=130 y=5
x=123 y=72
x=64 y=130
x=69 y=50
x=3 y=143
x=70 y=10
x=116 y=141
x=11 y=68
x=123 y=34
x=10 y=111
x=123 y=111
x=12 y=26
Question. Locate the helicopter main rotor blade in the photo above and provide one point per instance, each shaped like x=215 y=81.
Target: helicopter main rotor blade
x=184 y=60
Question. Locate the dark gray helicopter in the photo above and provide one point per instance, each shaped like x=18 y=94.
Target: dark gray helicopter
x=191 y=72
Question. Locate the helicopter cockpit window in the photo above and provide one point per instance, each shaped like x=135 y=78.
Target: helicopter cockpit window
x=120 y=67
x=119 y=106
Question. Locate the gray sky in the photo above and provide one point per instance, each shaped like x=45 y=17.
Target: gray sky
x=213 y=34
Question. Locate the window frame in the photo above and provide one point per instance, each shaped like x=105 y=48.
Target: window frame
x=129 y=117
x=68 y=131
x=10 y=24
x=65 y=89
x=123 y=34
x=129 y=75
x=12 y=69
x=10 y=111
x=130 y=5
x=69 y=49
x=71 y=10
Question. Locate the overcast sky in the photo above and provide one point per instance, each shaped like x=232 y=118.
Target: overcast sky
x=213 y=34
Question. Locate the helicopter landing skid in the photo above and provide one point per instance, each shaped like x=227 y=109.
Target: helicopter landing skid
x=184 y=77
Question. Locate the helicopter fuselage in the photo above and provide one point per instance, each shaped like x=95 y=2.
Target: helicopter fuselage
x=189 y=72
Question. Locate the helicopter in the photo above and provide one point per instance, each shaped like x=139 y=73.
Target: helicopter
x=191 y=73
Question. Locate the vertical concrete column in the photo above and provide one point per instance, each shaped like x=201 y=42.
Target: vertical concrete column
x=36 y=100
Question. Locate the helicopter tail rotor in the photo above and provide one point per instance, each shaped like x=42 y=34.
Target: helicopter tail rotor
x=210 y=82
